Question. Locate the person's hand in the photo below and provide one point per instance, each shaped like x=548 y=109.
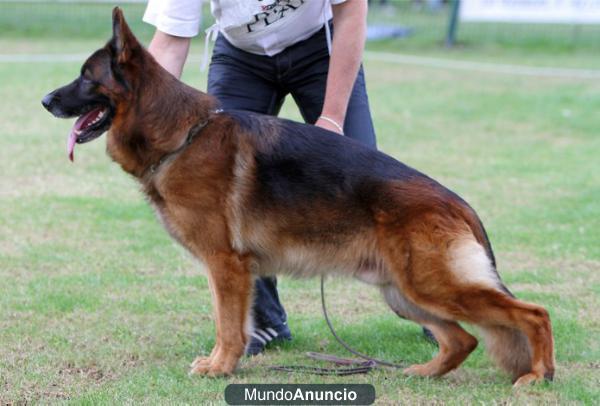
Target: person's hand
x=330 y=124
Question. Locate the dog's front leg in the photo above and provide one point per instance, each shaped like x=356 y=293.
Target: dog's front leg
x=231 y=285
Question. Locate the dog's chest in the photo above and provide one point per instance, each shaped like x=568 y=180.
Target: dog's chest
x=163 y=207
x=160 y=207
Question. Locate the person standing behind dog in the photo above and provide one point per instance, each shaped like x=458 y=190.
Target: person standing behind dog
x=265 y=50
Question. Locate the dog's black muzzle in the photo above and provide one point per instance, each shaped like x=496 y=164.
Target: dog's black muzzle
x=47 y=101
x=51 y=102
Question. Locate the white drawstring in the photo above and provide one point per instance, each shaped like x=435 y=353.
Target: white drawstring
x=326 y=3
x=211 y=33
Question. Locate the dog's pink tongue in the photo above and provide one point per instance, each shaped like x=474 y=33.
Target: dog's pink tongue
x=81 y=122
x=71 y=142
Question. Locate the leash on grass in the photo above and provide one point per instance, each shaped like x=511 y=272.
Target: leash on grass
x=357 y=366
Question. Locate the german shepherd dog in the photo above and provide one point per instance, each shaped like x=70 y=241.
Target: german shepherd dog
x=249 y=194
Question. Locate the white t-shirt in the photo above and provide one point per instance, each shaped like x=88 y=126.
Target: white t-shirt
x=263 y=27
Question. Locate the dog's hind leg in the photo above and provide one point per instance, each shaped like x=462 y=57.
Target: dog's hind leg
x=455 y=344
x=231 y=287
x=438 y=265
x=518 y=334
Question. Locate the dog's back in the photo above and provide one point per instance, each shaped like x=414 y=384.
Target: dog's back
x=312 y=187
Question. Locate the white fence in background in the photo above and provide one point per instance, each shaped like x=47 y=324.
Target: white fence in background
x=531 y=11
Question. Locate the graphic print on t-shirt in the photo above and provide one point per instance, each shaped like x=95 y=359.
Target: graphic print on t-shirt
x=272 y=12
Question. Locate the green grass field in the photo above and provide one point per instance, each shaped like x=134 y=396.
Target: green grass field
x=98 y=305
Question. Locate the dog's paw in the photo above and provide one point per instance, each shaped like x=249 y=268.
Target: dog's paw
x=210 y=366
x=210 y=370
x=417 y=370
x=528 y=379
x=201 y=361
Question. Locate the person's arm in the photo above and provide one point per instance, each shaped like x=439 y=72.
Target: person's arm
x=170 y=51
x=350 y=30
x=176 y=23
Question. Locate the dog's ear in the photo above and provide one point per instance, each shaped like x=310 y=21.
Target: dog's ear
x=123 y=41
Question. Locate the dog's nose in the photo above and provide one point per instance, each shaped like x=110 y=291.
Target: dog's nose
x=47 y=100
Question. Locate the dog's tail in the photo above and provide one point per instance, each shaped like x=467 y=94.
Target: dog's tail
x=509 y=348
x=480 y=234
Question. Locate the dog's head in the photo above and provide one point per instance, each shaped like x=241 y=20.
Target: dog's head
x=106 y=80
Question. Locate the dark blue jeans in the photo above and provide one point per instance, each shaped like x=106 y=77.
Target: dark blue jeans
x=245 y=81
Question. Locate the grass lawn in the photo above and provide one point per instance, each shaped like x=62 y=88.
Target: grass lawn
x=98 y=305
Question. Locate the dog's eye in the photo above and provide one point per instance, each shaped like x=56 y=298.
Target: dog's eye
x=85 y=81
x=87 y=84
x=87 y=75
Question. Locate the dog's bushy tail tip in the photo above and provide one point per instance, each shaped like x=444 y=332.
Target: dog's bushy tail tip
x=509 y=348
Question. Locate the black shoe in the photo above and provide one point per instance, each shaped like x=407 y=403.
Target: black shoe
x=262 y=337
x=429 y=336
